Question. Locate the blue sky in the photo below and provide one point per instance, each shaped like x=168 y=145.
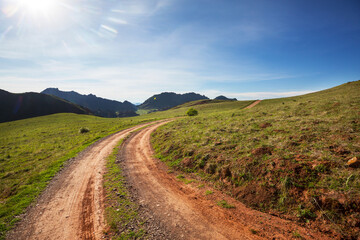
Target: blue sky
x=133 y=49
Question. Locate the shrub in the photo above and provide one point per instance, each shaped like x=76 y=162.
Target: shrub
x=84 y=130
x=192 y=112
x=305 y=213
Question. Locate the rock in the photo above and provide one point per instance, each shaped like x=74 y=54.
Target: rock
x=354 y=162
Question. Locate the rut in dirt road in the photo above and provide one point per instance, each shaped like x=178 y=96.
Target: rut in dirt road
x=72 y=205
x=184 y=211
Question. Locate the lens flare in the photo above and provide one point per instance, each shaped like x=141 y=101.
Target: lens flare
x=44 y=7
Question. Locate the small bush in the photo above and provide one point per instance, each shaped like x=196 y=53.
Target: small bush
x=84 y=130
x=192 y=112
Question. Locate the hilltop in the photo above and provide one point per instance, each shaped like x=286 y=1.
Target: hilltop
x=28 y=105
x=221 y=97
x=167 y=100
x=99 y=106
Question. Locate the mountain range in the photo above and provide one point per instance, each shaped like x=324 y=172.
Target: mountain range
x=99 y=106
x=26 y=105
x=53 y=100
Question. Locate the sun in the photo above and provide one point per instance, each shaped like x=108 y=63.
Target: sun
x=39 y=7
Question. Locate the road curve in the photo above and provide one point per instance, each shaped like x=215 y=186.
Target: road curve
x=187 y=214
x=72 y=205
x=185 y=210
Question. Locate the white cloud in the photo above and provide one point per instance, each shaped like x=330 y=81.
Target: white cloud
x=120 y=52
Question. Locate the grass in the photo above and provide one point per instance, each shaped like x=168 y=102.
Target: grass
x=208 y=192
x=297 y=235
x=142 y=111
x=277 y=155
x=120 y=212
x=224 y=204
x=282 y=153
x=33 y=150
x=183 y=179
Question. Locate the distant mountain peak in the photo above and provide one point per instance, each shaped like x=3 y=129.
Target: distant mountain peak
x=222 y=97
x=166 y=100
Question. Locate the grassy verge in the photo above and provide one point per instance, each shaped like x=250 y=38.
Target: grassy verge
x=33 y=150
x=121 y=213
x=285 y=155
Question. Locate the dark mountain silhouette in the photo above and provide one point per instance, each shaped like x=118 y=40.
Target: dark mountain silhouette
x=99 y=106
x=168 y=100
x=221 y=97
x=26 y=105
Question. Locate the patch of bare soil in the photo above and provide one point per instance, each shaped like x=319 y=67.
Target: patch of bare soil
x=72 y=205
x=184 y=211
x=253 y=104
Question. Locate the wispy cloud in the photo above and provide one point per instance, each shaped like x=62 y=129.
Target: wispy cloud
x=132 y=49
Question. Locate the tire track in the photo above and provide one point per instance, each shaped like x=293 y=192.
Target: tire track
x=185 y=211
x=72 y=206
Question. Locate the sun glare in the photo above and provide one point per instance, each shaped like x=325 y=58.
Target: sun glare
x=44 y=7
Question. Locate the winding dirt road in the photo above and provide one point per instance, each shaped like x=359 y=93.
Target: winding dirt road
x=186 y=211
x=72 y=205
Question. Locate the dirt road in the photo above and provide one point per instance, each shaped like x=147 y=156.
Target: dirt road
x=72 y=206
x=253 y=104
x=185 y=211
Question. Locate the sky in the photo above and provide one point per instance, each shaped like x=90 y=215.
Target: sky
x=132 y=49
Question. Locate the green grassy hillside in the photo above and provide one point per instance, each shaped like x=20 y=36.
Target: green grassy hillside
x=33 y=150
x=276 y=156
x=287 y=156
x=27 y=105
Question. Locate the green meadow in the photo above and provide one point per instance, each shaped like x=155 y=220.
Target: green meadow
x=284 y=155
x=33 y=150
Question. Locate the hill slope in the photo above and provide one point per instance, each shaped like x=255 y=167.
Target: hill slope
x=286 y=156
x=99 y=106
x=168 y=100
x=27 y=105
